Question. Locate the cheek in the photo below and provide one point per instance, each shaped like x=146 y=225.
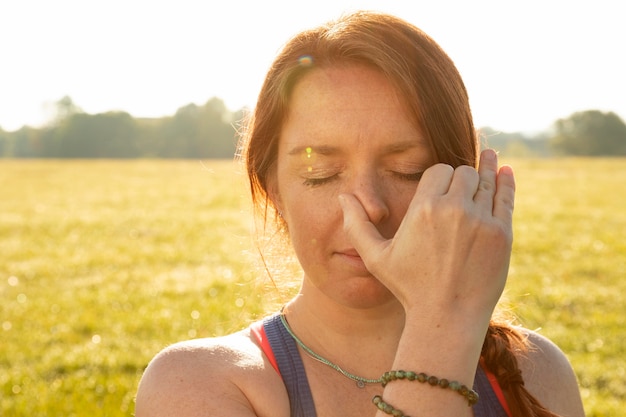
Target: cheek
x=311 y=221
x=402 y=201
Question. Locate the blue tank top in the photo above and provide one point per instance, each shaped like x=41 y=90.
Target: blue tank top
x=292 y=371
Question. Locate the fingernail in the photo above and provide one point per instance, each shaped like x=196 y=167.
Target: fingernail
x=490 y=154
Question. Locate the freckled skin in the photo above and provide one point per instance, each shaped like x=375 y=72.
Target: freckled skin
x=346 y=131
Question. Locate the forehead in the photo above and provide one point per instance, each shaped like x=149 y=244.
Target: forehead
x=343 y=87
x=353 y=100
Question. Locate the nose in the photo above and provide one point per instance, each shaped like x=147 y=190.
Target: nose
x=372 y=195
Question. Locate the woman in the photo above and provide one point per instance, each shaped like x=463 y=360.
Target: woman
x=362 y=142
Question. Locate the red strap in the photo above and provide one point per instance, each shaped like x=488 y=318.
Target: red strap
x=496 y=388
x=258 y=331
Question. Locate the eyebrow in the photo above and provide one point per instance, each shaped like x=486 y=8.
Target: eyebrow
x=393 y=148
x=321 y=150
x=406 y=145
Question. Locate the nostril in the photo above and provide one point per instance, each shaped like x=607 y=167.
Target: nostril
x=372 y=195
x=376 y=209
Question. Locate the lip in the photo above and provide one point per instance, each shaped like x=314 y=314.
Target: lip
x=352 y=258
x=349 y=252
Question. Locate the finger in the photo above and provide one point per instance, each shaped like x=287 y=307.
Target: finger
x=435 y=181
x=464 y=182
x=504 y=200
x=361 y=232
x=487 y=173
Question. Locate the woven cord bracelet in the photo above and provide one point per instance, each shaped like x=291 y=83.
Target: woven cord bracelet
x=469 y=394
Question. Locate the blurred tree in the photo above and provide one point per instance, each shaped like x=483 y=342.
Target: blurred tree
x=590 y=133
x=63 y=109
x=104 y=135
x=24 y=143
x=183 y=135
x=4 y=143
x=199 y=132
x=514 y=144
x=218 y=128
x=150 y=136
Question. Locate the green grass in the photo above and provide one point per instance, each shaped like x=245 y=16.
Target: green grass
x=569 y=265
x=103 y=263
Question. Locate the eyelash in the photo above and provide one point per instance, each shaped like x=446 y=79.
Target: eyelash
x=416 y=176
x=313 y=182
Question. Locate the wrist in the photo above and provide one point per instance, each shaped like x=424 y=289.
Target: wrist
x=440 y=348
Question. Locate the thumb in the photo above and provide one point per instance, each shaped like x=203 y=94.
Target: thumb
x=361 y=232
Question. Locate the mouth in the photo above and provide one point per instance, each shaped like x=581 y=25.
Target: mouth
x=352 y=258
x=352 y=253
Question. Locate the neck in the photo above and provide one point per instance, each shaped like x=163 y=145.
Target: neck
x=360 y=340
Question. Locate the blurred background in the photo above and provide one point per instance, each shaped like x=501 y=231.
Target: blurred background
x=157 y=79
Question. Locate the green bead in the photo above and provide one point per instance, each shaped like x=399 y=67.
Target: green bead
x=472 y=397
x=469 y=394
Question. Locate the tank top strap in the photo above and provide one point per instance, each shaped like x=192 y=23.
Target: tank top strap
x=291 y=368
x=489 y=404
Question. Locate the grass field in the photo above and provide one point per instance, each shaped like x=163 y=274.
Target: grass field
x=103 y=263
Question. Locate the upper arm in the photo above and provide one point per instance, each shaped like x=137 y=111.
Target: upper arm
x=210 y=377
x=549 y=377
x=181 y=381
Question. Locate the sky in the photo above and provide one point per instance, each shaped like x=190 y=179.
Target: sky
x=525 y=64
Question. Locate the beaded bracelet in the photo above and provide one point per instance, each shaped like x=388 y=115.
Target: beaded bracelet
x=467 y=393
x=387 y=408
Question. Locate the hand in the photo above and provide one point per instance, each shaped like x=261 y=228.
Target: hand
x=450 y=255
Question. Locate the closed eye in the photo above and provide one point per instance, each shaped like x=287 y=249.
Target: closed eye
x=415 y=176
x=313 y=182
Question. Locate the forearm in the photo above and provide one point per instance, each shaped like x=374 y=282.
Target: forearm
x=443 y=353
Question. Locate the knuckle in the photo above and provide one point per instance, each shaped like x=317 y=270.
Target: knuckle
x=486 y=186
x=441 y=169
x=466 y=170
x=499 y=234
x=507 y=201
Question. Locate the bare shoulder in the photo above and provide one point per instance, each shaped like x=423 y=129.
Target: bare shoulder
x=549 y=376
x=228 y=375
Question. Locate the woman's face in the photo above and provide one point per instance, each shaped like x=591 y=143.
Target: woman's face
x=346 y=132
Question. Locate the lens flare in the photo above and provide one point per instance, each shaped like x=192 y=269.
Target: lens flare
x=308 y=158
x=305 y=60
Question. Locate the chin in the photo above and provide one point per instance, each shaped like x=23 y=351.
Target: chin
x=363 y=293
